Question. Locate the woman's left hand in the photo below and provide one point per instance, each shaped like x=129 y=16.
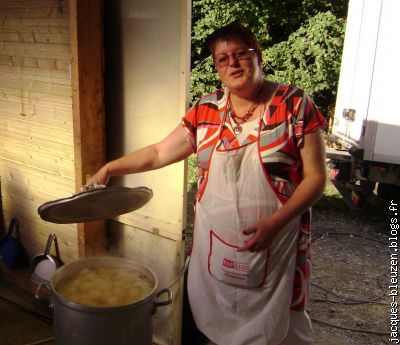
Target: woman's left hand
x=263 y=233
x=309 y=190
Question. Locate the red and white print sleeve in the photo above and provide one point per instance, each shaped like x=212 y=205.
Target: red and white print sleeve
x=189 y=124
x=309 y=118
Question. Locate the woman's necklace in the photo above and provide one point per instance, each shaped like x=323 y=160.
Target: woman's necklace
x=240 y=120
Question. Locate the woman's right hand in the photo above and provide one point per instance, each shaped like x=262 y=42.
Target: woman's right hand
x=101 y=177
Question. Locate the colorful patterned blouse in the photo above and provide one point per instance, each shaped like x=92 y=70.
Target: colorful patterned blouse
x=290 y=115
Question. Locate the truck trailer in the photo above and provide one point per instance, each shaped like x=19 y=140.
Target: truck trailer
x=364 y=154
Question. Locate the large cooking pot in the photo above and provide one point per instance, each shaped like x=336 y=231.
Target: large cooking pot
x=129 y=324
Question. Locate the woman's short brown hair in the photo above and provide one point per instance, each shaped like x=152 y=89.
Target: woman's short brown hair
x=233 y=31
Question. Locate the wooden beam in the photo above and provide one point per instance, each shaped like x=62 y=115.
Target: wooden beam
x=86 y=30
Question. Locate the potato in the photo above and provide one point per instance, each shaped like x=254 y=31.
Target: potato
x=105 y=286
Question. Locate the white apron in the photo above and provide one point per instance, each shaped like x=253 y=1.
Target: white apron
x=240 y=298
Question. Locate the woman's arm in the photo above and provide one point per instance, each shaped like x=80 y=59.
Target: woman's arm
x=307 y=193
x=172 y=149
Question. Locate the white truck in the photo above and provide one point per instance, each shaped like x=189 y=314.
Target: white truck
x=366 y=124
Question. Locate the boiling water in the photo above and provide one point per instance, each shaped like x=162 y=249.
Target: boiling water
x=105 y=287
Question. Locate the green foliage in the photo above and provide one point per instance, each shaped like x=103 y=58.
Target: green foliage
x=302 y=42
x=203 y=79
x=285 y=17
x=192 y=172
x=337 y=7
x=209 y=15
x=310 y=58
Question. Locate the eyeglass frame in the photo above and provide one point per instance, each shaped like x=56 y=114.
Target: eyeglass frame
x=234 y=54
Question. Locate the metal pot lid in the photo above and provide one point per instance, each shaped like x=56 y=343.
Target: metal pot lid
x=96 y=204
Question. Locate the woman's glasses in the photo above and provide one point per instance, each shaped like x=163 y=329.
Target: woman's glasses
x=240 y=54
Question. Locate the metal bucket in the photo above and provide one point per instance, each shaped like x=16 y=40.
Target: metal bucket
x=129 y=324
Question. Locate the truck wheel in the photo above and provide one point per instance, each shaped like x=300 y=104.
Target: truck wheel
x=388 y=191
x=367 y=188
x=361 y=193
x=357 y=199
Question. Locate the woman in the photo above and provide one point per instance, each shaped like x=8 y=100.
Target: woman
x=261 y=166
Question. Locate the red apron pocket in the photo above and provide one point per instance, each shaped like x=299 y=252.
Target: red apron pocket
x=227 y=265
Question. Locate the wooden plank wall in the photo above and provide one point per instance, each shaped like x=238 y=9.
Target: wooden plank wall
x=86 y=29
x=36 y=124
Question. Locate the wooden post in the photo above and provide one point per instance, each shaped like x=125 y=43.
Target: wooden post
x=86 y=29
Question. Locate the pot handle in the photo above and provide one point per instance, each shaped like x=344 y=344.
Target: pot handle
x=39 y=287
x=167 y=301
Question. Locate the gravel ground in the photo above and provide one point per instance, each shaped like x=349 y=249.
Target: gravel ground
x=349 y=302
x=351 y=271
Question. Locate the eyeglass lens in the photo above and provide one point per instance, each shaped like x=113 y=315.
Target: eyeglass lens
x=223 y=60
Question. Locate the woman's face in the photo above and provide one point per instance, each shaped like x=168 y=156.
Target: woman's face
x=239 y=73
